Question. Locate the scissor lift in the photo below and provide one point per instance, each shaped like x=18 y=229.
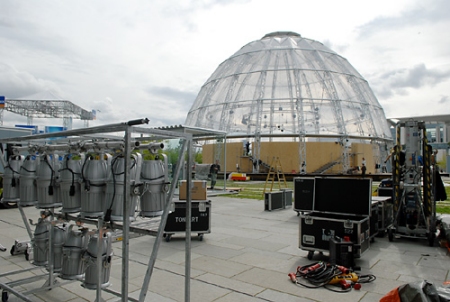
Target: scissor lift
x=413 y=184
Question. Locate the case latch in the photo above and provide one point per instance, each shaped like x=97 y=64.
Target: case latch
x=309 y=220
x=348 y=224
x=308 y=239
x=202 y=206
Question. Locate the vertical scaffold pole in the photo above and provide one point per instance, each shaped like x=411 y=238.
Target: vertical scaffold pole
x=126 y=215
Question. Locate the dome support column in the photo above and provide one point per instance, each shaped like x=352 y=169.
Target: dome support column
x=345 y=159
x=256 y=153
x=302 y=153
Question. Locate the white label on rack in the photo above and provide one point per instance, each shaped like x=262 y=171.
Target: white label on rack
x=183 y=219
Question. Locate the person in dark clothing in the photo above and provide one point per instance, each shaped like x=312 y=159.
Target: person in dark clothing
x=363 y=170
x=440 y=194
x=213 y=170
x=247 y=148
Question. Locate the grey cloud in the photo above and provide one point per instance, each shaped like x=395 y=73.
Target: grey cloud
x=222 y=3
x=419 y=76
x=184 y=12
x=16 y=84
x=421 y=12
x=23 y=32
x=198 y=5
x=5 y=22
x=338 y=48
x=183 y=98
x=178 y=101
x=444 y=100
x=28 y=38
x=397 y=81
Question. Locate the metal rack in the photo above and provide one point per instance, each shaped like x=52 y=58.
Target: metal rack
x=131 y=133
x=414 y=183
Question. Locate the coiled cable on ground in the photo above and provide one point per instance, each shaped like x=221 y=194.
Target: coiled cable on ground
x=321 y=274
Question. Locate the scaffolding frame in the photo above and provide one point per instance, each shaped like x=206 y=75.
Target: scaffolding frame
x=46 y=108
x=187 y=135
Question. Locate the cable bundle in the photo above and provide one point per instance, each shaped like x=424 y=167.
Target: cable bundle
x=321 y=274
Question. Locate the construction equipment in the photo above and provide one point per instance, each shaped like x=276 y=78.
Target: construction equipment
x=414 y=203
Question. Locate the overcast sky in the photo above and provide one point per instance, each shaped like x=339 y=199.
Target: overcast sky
x=149 y=58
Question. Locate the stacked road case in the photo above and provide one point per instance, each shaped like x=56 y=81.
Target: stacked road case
x=273 y=200
x=200 y=218
x=287 y=197
x=303 y=194
x=385 y=213
x=333 y=207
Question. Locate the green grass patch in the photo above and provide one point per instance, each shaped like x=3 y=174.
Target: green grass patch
x=255 y=190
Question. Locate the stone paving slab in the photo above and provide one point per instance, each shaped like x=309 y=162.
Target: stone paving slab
x=234 y=285
x=219 y=267
x=246 y=257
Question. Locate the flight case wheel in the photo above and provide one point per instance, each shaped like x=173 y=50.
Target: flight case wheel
x=391 y=235
x=4 y=296
x=310 y=255
x=431 y=237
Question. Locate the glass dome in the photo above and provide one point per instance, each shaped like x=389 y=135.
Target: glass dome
x=287 y=85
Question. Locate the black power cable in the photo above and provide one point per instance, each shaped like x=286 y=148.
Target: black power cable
x=114 y=160
x=13 y=179
x=73 y=173
x=321 y=274
x=50 y=186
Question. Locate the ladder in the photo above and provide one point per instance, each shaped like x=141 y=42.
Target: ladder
x=275 y=170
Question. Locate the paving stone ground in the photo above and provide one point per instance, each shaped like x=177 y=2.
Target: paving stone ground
x=246 y=257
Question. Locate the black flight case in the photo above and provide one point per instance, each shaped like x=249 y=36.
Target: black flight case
x=200 y=218
x=333 y=208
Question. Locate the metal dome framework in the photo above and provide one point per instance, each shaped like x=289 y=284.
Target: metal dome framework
x=284 y=85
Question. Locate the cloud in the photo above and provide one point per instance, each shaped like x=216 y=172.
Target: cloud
x=18 y=84
x=398 y=81
x=170 y=104
x=419 y=13
x=103 y=54
x=338 y=48
x=444 y=100
x=184 y=97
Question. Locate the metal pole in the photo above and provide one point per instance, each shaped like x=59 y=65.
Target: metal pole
x=126 y=215
x=51 y=250
x=225 y=165
x=14 y=292
x=152 y=260
x=99 y=260
x=187 y=278
x=25 y=221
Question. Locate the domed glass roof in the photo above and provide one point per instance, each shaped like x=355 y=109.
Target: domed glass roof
x=285 y=84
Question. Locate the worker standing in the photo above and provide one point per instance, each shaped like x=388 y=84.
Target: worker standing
x=213 y=170
x=363 y=170
x=247 y=148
